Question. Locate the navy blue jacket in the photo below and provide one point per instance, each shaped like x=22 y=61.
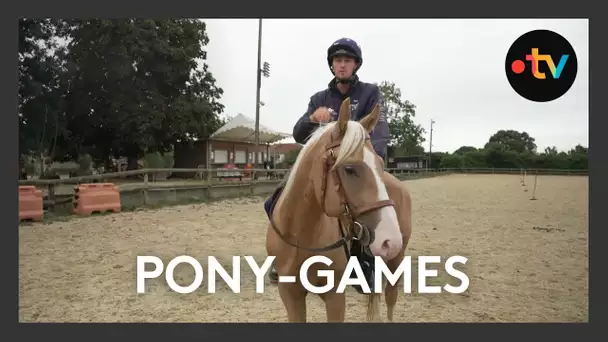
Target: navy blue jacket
x=363 y=98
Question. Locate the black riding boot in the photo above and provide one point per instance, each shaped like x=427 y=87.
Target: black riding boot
x=367 y=265
x=273 y=275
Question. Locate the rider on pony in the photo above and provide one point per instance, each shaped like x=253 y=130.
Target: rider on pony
x=344 y=58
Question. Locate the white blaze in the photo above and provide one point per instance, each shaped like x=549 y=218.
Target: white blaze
x=388 y=226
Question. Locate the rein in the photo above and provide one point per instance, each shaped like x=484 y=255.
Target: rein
x=363 y=233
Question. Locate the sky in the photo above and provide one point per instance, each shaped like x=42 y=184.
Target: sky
x=451 y=69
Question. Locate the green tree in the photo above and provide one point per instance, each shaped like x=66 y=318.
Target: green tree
x=552 y=150
x=511 y=140
x=465 y=149
x=41 y=87
x=453 y=161
x=406 y=136
x=475 y=159
x=579 y=158
x=138 y=87
x=511 y=149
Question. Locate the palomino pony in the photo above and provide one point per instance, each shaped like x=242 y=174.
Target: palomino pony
x=337 y=182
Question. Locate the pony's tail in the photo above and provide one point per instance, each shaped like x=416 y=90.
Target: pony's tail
x=373 y=307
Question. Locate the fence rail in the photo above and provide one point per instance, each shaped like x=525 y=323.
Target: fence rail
x=202 y=174
x=60 y=191
x=546 y=172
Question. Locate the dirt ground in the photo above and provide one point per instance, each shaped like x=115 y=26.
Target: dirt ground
x=527 y=260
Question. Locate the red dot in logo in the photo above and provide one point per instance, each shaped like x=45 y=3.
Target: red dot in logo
x=518 y=66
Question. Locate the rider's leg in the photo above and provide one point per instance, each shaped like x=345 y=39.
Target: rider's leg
x=272 y=274
x=268 y=207
x=367 y=265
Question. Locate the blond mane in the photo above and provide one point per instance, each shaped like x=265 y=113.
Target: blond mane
x=352 y=141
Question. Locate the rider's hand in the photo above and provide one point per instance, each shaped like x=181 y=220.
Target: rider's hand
x=321 y=115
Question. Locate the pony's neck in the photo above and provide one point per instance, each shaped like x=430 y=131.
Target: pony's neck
x=297 y=209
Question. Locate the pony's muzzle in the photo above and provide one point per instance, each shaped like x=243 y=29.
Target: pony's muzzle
x=388 y=239
x=388 y=249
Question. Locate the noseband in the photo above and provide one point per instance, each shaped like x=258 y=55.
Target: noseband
x=356 y=230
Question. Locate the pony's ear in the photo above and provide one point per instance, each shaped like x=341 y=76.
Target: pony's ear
x=370 y=120
x=344 y=116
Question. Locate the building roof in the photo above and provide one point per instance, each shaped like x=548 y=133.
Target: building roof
x=242 y=129
x=284 y=148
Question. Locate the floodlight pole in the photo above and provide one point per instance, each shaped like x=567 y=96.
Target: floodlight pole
x=428 y=165
x=257 y=97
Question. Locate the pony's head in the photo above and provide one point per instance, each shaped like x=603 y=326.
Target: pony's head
x=347 y=180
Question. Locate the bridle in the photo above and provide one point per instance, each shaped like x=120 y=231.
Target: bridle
x=356 y=230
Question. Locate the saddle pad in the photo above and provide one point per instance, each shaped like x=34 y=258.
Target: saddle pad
x=270 y=202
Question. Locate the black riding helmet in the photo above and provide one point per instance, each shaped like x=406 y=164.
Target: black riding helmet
x=345 y=47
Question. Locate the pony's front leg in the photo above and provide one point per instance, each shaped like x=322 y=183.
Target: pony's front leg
x=294 y=300
x=391 y=292
x=335 y=306
x=398 y=192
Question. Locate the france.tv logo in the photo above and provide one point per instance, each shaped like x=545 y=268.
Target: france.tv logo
x=541 y=66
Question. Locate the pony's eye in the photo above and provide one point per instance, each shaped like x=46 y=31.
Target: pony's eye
x=350 y=170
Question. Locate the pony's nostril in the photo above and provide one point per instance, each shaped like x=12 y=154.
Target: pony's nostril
x=389 y=249
x=386 y=246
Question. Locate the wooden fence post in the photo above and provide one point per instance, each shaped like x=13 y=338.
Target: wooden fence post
x=52 y=197
x=145 y=190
